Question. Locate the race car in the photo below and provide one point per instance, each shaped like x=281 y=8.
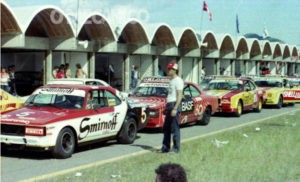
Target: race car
x=278 y=91
x=9 y=102
x=61 y=117
x=236 y=95
x=196 y=106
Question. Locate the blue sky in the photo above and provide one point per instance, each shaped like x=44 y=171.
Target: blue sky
x=281 y=18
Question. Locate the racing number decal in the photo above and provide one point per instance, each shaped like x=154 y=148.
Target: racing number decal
x=24 y=114
x=143 y=115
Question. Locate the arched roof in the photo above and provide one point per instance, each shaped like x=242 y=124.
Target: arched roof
x=255 y=48
x=133 y=33
x=294 y=52
x=188 y=39
x=9 y=23
x=209 y=38
x=163 y=36
x=286 y=51
x=225 y=43
x=242 y=46
x=96 y=27
x=266 y=49
x=276 y=50
x=44 y=21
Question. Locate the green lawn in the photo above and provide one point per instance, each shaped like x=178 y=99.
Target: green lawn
x=269 y=154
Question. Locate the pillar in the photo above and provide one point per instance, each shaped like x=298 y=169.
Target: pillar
x=91 y=62
x=126 y=72
x=47 y=76
x=155 y=65
x=232 y=64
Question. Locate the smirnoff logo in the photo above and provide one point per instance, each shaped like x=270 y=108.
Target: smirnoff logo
x=85 y=128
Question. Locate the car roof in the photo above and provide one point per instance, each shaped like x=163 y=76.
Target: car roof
x=82 y=87
x=75 y=81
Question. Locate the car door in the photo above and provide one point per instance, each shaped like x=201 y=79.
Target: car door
x=103 y=120
x=187 y=105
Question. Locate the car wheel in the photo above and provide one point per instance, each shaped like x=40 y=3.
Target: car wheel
x=280 y=103
x=128 y=132
x=206 y=117
x=259 y=106
x=239 y=109
x=65 y=144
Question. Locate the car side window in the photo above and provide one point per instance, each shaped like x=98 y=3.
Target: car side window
x=112 y=99
x=194 y=91
x=187 y=92
x=252 y=86
x=93 y=99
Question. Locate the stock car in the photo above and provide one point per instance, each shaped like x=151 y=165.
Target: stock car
x=9 y=102
x=196 y=106
x=236 y=95
x=278 y=91
x=61 y=117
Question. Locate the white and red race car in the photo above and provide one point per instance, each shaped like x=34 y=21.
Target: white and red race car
x=60 y=117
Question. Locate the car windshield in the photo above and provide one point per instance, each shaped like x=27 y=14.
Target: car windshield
x=58 y=98
x=225 y=85
x=268 y=83
x=151 y=91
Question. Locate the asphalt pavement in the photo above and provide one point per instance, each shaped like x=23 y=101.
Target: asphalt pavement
x=27 y=165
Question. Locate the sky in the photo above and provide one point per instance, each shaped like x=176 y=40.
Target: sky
x=280 y=18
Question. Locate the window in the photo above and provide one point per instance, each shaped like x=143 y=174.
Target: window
x=112 y=100
x=194 y=91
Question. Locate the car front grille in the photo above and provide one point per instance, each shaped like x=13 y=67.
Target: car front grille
x=15 y=130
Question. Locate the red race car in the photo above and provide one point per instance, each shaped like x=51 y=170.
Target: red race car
x=61 y=117
x=196 y=105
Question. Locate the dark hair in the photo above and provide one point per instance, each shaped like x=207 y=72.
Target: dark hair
x=171 y=172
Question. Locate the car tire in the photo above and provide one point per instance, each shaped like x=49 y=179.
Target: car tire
x=280 y=103
x=128 y=132
x=259 y=106
x=239 y=109
x=206 y=117
x=65 y=144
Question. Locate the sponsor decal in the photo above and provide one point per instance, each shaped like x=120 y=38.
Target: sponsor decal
x=17 y=121
x=187 y=106
x=184 y=119
x=157 y=79
x=154 y=85
x=293 y=94
x=58 y=90
x=85 y=128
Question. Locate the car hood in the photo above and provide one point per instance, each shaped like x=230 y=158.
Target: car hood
x=152 y=102
x=38 y=116
x=222 y=93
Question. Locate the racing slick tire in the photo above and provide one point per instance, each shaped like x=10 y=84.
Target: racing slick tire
x=259 y=106
x=128 y=132
x=65 y=144
x=206 y=117
x=239 y=109
x=280 y=103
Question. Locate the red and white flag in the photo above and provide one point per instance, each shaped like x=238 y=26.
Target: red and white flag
x=205 y=8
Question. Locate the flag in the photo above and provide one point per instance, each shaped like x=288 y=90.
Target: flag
x=237 y=24
x=266 y=33
x=205 y=8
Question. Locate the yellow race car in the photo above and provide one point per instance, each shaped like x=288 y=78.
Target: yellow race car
x=278 y=91
x=236 y=95
x=9 y=102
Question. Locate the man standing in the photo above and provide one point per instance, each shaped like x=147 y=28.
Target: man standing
x=173 y=109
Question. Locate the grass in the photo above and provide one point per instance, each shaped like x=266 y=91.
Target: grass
x=269 y=154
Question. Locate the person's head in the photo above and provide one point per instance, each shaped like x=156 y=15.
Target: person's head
x=172 y=69
x=170 y=172
x=78 y=66
x=3 y=69
x=135 y=67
